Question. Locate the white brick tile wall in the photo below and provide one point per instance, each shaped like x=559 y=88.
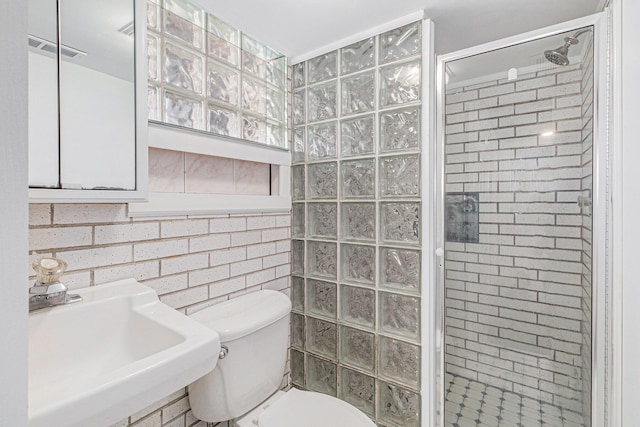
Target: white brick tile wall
x=142 y=270
x=169 y=284
x=461 y=96
x=47 y=238
x=536 y=129
x=261 y=250
x=210 y=242
x=275 y=260
x=227 y=287
x=246 y=238
x=84 y=214
x=571 y=76
x=267 y=221
x=229 y=224
x=518 y=120
x=569 y=101
x=529 y=107
x=184 y=228
x=484 y=144
x=227 y=256
x=123 y=233
x=454 y=108
x=208 y=275
x=160 y=249
x=261 y=276
x=496 y=133
x=93 y=257
x=453 y=149
x=244 y=267
x=77 y=280
x=497 y=90
x=536 y=83
x=559 y=90
x=462 y=137
x=462 y=117
x=185 y=297
x=480 y=125
x=520 y=292
x=189 y=262
x=276 y=234
x=40 y=214
x=489 y=113
x=481 y=103
x=517 y=98
x=519 y=142
x=178 y=264
x=537 y=152
x=560 y=114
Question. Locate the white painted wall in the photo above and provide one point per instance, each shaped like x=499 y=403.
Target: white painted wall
x=629 y=198
x=13 y=214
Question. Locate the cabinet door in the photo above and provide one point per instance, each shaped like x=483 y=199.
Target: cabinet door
x=97 y=95
x=43 y=94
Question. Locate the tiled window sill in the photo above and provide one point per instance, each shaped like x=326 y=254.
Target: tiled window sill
x=183 y=195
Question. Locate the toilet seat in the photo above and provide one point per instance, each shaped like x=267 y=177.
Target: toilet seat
x=309 y=409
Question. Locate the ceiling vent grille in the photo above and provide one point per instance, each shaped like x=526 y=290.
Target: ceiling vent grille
x=51 y=47
x=128 y=29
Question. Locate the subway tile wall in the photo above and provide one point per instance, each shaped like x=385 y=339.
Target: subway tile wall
x=518 y=301
x=191 y=262
x=356 y=235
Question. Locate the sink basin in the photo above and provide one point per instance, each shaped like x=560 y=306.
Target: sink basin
x=95 y=362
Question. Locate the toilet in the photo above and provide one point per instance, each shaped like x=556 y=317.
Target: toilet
x=244 y=386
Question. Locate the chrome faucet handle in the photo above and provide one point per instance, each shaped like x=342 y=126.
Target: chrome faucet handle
x=39 y=288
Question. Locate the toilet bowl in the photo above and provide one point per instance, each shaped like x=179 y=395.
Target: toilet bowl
x=296 y=408
x=254 y=332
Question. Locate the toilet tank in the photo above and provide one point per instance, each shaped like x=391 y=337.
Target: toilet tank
x=255 y=329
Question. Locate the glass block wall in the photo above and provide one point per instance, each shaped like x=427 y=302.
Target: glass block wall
x=356 y=233
x=205 y=74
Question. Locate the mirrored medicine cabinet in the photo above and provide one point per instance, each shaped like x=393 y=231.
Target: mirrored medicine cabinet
x=87 y=100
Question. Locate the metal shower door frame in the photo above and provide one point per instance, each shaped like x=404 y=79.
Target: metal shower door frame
x=602 y=371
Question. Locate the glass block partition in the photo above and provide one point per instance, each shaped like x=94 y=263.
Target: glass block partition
x=206 y=75
x=355 y=327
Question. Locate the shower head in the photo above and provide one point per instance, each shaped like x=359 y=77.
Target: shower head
x=560 y=55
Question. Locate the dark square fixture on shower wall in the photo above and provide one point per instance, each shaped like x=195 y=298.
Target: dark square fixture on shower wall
x=462 y=217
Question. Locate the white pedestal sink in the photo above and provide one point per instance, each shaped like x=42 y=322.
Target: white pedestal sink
x=95 y=362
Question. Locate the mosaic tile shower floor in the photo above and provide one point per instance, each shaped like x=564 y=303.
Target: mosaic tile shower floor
x=473 y=404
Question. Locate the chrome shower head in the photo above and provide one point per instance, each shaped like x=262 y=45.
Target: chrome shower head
x=560 y=55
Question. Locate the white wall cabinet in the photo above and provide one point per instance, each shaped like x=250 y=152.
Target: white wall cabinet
x=87 y=100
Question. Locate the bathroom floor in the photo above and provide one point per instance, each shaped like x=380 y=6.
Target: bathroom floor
x=473 y=404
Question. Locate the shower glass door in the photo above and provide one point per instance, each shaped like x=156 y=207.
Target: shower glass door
x=517 y=184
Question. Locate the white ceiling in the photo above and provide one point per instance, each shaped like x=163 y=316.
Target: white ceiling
x=297 y=27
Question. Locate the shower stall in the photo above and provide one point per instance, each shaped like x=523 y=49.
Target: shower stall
x=522 y=167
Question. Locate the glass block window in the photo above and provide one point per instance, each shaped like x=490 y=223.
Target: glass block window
x=206 y=75
x=356 y=225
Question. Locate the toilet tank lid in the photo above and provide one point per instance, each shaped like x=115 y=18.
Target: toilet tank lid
x=245 y=314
